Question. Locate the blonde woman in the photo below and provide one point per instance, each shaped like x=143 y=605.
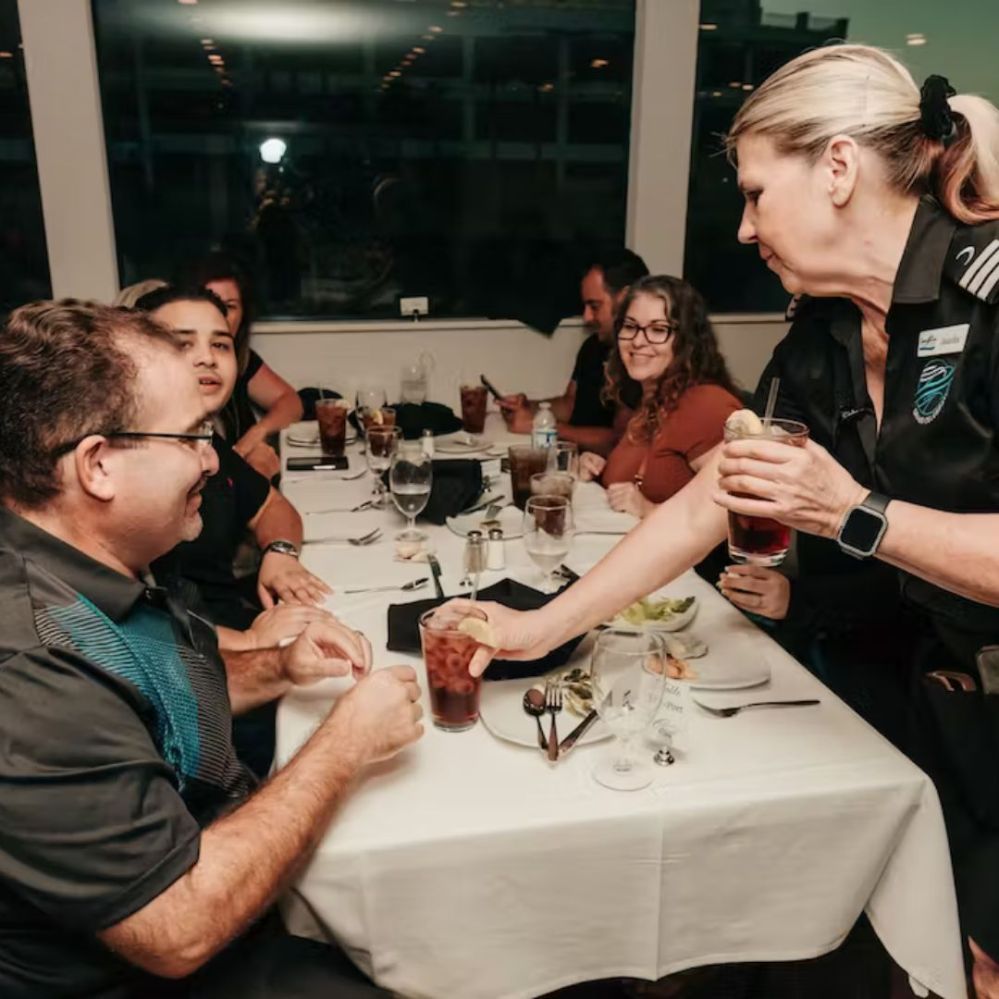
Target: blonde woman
x=878 y=199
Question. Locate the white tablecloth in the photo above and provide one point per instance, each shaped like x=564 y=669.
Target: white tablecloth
x=468 y=867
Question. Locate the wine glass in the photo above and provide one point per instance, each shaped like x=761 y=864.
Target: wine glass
x=383 y=440
x=410 y=479
x=628 y=677
x=548 y=531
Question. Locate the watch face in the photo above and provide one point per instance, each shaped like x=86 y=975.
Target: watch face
x=862 y=530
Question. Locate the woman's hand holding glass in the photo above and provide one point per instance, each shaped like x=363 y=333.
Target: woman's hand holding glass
x=802 y=487
x=757 y=590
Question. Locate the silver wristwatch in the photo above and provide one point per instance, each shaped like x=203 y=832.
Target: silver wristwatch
x=282 y=548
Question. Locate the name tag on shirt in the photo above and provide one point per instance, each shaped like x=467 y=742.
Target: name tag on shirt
x=945 y=340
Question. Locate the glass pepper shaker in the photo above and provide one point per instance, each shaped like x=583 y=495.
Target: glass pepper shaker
x=474 y=560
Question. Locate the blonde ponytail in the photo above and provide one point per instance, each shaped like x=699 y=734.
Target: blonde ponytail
x=866 y=93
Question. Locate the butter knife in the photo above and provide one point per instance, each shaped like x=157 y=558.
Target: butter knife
x=577 y=733
x=435 y=570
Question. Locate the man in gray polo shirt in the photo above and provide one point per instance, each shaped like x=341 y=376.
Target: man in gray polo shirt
x=136 y=858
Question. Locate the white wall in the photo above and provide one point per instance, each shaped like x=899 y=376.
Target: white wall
x=515 y=358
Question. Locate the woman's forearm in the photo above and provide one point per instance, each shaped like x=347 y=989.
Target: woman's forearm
x=283 y=412
x=674 y=537
x=955 y=551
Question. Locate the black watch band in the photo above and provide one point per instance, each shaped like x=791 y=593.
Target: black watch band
x=864 y=526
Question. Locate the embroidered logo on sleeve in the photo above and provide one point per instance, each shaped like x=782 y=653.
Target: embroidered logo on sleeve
x=932 y=389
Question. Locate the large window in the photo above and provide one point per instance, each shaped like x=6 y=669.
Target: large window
x=740 y=43
x=356 y=151
x=24 y=265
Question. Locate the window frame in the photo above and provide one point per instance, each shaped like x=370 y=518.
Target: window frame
x=75 y=187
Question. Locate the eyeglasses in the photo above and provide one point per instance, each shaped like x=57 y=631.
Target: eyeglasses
x=200 y=440
x=656 y=332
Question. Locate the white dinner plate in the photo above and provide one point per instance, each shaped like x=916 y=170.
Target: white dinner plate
x=462 y=443
x=734 y=661
x=511 y=520
x=501 y=709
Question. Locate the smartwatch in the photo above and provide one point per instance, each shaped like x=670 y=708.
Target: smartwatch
x=864 y=526
x=282 y=548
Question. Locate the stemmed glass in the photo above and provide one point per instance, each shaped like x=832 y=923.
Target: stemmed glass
x=566 y=458
x=382 y=444
x=548 y=532
x=628 y=677
x=410 y=479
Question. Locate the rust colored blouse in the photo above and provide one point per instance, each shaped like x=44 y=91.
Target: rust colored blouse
x=687 y=433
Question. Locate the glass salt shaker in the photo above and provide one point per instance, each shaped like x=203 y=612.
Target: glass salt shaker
x=474 y=560
x=495 y=551
x=427 y=443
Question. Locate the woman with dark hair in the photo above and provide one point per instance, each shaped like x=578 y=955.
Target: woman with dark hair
x=258 y=385
x=667 y=349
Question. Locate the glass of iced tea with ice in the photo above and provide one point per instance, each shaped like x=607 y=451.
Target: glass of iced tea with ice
x=331 y=415
x=761 y=540
x=447 y=651
x=473 y=408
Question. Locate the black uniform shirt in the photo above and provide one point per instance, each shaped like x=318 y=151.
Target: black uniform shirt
x=588 y=410
x=937 y=444
x=115 y=751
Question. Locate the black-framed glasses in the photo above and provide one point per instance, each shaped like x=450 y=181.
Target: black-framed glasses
x=658 y=331
x=200 y=440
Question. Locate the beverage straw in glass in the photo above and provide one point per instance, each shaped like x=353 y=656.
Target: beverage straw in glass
x=768 y=413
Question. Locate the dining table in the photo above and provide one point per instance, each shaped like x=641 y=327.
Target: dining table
x=470 y=867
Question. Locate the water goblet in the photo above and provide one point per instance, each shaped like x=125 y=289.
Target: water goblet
x=410 y=478
x=548 y=533
x=383 y=440
x=628 y=677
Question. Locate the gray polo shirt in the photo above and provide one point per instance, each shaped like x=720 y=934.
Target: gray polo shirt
x=115 y=752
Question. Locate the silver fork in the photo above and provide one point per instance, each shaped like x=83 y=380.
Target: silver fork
x=728 y=712
x=364 y=539
x=553 y=704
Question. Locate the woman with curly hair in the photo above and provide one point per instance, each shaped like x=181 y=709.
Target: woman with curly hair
x=665 y=344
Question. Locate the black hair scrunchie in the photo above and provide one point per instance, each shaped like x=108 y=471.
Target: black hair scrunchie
x=935 y=116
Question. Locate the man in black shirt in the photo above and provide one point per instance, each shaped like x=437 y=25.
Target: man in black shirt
x=581 y=415
x=131 y=851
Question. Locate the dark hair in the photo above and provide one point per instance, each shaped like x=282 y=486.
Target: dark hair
x=696 y=357
x=619 y=266
x=171 y=293
x=66 y=371
x=218 y=266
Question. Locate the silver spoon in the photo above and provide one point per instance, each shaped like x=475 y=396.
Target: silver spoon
x=534 y=705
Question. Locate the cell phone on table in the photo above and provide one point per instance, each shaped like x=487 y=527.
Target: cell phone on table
x=493 y=391
x=318 y=463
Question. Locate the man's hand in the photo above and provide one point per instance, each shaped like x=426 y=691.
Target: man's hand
x=283 y=577
x=757 y=590
x=626 y=497
x=285 y=621
x=802 y=487
x=325 y=648
x=591 y=466
x=381 y=715
x=517 y=413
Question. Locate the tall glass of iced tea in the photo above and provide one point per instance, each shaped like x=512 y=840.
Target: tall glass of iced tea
x=447 y=651
x=761 y=540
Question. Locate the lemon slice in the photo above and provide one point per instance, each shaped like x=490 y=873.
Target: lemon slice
x=744 y=421
x=481 y=631
x=377 y=417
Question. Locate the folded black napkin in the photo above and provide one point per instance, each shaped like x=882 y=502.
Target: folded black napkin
x=404 y=632
x=413 y=419
x=457 y=484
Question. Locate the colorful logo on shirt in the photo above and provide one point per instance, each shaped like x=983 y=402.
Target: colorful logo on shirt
x=932 y=388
